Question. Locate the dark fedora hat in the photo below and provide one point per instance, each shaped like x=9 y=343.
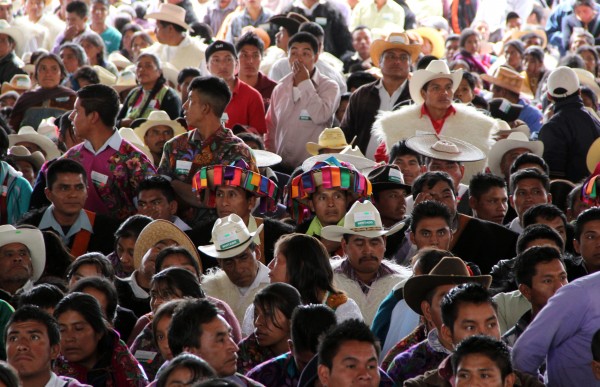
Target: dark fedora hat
x=387 y=177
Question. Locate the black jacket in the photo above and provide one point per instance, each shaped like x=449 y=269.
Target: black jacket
x=9 y=67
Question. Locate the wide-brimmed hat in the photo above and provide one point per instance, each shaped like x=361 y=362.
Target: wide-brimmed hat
x=170 y=13
x=361 y=219
x=207 y=179
x=388 y=177
x=506 y=78
x=159 y=230
x=126 y=80
x=129 y=135
x=435 y=70
x=350 y=154
x=438 y=46
x=119 y=60
x=20 y=153
x=28 y=134
x=105 y=77
x=444 y=148
x=395 y=40
x=330 y=138
x=513 y=141
x=505 y=110
x=587 y=79
x=159 y=118
x=19 y=83
x=449 y=271
x=529 y=29
x=265 y=158
x=30 y=237
x=48 y=128
x=231 y=237
x=13 y=32
x=291 y=21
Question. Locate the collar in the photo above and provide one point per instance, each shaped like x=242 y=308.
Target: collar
x=114 y=141
x=433 y=340
x=135 y=288
x=231 y=7
x=54 y=381
x=219 y=133
x=315 y=227
x=425 y=112
x=300 y=4
x=49 y=221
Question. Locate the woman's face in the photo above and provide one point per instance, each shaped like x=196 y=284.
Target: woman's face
x=278 y=268
x=92 y=51
x=124 y=251
x=270 y=331
x=48 y=73
x=84 y=271
x=160 y=293
x=513 y=58
x=472 y=44
x=126 y=39
x=590 y=61
x=78 y=340
x=162 y=330
x=464 y=92
x=137 y=45
x=147 y=72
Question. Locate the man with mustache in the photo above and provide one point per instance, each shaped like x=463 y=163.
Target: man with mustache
x=156 y=130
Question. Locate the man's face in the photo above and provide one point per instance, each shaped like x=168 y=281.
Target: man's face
x=217 y=347
x=361 y=42
x=548 y=278
x=241 y=269
x=303 y=53
x=508 y=158
x=391 y=204
x=6 y=12
x=556 y=224
x=491 y=206
x=75 y=20
x=99 y=13
x=250 y=58
x=28 y=348
x=409 y=166
x=475 y=319
x=81 y=121
x=355 y=364
x=233 y=200
x=433 y=311
x=432 y=232
x=395 y=64
x=15 y=263
x=364 y=254
x=479 y=370
x=154 y=203
x=223 y=64
x=68 y=193
x=454 y=169
x=527 y=194
x=34 y=9
x=588 y=245
x=438 y=94
x=329 y=205
x=282 y=38
x=443 y=193
x=157 y=136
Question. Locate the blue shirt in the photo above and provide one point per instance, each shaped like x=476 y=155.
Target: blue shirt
x=532 y=117
x=49 y=221
x=112 y=39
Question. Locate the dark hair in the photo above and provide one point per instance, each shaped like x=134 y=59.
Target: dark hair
x=516 y=44
x=86 y=73
x=469 y=293
x=251 y=39
x=79 y=52
x=312 y=28
x=307 y=265
x=481 y=183
x=538 y=231
x=105 y=286
x=400 y=149
x=305 y=37
x=159 y=183
x=54 y=57
x=596 y=346
x=277 y=296
x=180 y=279
x=217 y=382
x=585 y=3
x=185 y=329
x=574 y=61
x=202 y=30
x=35 y=313
x=87 y=306
x=141 y=34
x=424 y=61
x=96 y=40
x=186 y=73
x=466 y=34
x=526 y=262
x=427 y=258
x=588 y=92
x=129 y=27
x=63 y=165
x=214 y=90
x=512 y=15
x=8 y=375
x=534 y=51
x=528 y=173
x=175 y=250
x=573 y=196
x=101 y=99
x=348 y=330
x=309 y=322
x=585 y=217
x=429 y=209
x=357 y=79
x=495 y=350
x=97 y=259
x=132 y=226
x=247 y=136
x=198 y=367
x=470 y=78
x=158 y=85
x=176 y=27
x=529 y=158
x=42 y=295
x=163 y=310
x=546 y=211
x=430 y=179
x=80 y=8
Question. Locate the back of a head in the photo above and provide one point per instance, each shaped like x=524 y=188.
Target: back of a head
x=101 y=99
x=309 y=322
x=348 y=330
x=44 y=296
x=185 y=329
x=312 y=28
x=469 y=293
x=538 y=231
x=495 y=350
x=214 y=90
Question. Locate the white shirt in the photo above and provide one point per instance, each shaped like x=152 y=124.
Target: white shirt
x=188 y=53
x=515 y=225
x=137 y=290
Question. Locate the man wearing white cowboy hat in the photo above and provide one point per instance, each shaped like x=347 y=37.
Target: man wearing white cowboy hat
x=28 y=163
x=22 y=259
x=363 y=274
x=432 y=90
x=15 y=190
x=9 y=62
x=241 y=275
x=174 y=44
x=156 y=130
x=505 y=151
x=33 y=141
x=394 y=57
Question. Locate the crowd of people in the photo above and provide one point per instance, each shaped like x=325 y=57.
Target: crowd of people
x=295 y=193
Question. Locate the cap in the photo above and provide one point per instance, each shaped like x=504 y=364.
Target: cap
x=219 y=45
x=563 y=82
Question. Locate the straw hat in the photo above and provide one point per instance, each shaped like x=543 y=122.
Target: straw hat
x=28 y=134
x=159 y=230
x=265 y=158
x=30 y=237
x=506 y=78
x=398 y=40
x=513 y=141
x=125 y=80
x=19 y=83
x=361 y=219
x=129 y=135
x=444 y=148
x=330 y=138
x=449 y=271
x=291 y=22
x=20 y=153
x=159 y=118
x=593 y=156
x=170 y=13
x=350 y=154
x=106 y=77
x=262 y=34
x=438 y=46
x=435 y=70
x=119 y=60
x=529 y=29
x=13 y=32
x=231 y=238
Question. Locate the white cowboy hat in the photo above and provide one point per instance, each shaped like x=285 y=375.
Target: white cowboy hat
x=170 y=72
x=14 y=32
x=435 y=70
x=513 y=141
x=156 y=118
x=395 y=40
x=231 y=237
x=119 y=60
x=20 y=153
x=587 y=79
x=170 y=13
x=444 y=148
x=19 y=83
x=30 y=237
x=330 y=138
x=129 y=135
x=265 y=158
x=361 y=219
x=125 y=80
x=106 y=77
x=48 y=128
x=28 y=134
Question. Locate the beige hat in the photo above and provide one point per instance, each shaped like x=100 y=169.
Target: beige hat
x=19 y=83
x=330 y=138
x=398 y=40
x=106 y=77
x=231 y=237
x=28 y=134
x=265 y=158
x=506 y=78
x=13 y=32
x=170 y=72
x=361 y=219
x=125 y=80
x=119 y=60
x=444 y=148
x=30 y=237
x=514 y=140
x=438 y=46
x=129 y=135
x=20 y=153
x=435 y=70
x=156 y=118
x=593 y=156
x=170 y=13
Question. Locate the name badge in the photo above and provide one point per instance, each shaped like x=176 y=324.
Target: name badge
x=388 y=17
x=144 y=356
x=265 y=26
x=182 y=167
x=304 y=116
x=62 y=99
x=99 y=179
x=224 y=117
x=321 y=21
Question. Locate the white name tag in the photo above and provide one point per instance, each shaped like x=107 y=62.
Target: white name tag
x=321 y=21
x=99 y=179
x=304 y=116
x=224 y=118
x=144 y=356
x=182 y=167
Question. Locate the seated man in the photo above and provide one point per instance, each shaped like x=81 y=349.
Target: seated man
x=410 y=163
x=488 y=197
x=528 y=187
x=504 y=152
x=587 y=228
x=360 y=59
x=76 y=24
x=81 y=230
x=363 y=274
x=158 y=200
x=156 y=130
x=553 y=217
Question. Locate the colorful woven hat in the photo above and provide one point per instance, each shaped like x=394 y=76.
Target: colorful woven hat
x=329 y=173
x=239 y=175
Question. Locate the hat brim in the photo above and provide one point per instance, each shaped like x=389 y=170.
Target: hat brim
x=141 y=130
x=422 y=144
x=437 y=41
x=212 y=251
x=421 y=77
x=497 y=81
x=416 y=288
x=378 y=187
x=43 y=142
x=313 y=148
x=167 y=18
x=336 y=233
x=34 y=240
x=36 y=159
x=292 y=26
x=379 y=46
x=265 y=158
x=16 y=35
x=502 y=146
